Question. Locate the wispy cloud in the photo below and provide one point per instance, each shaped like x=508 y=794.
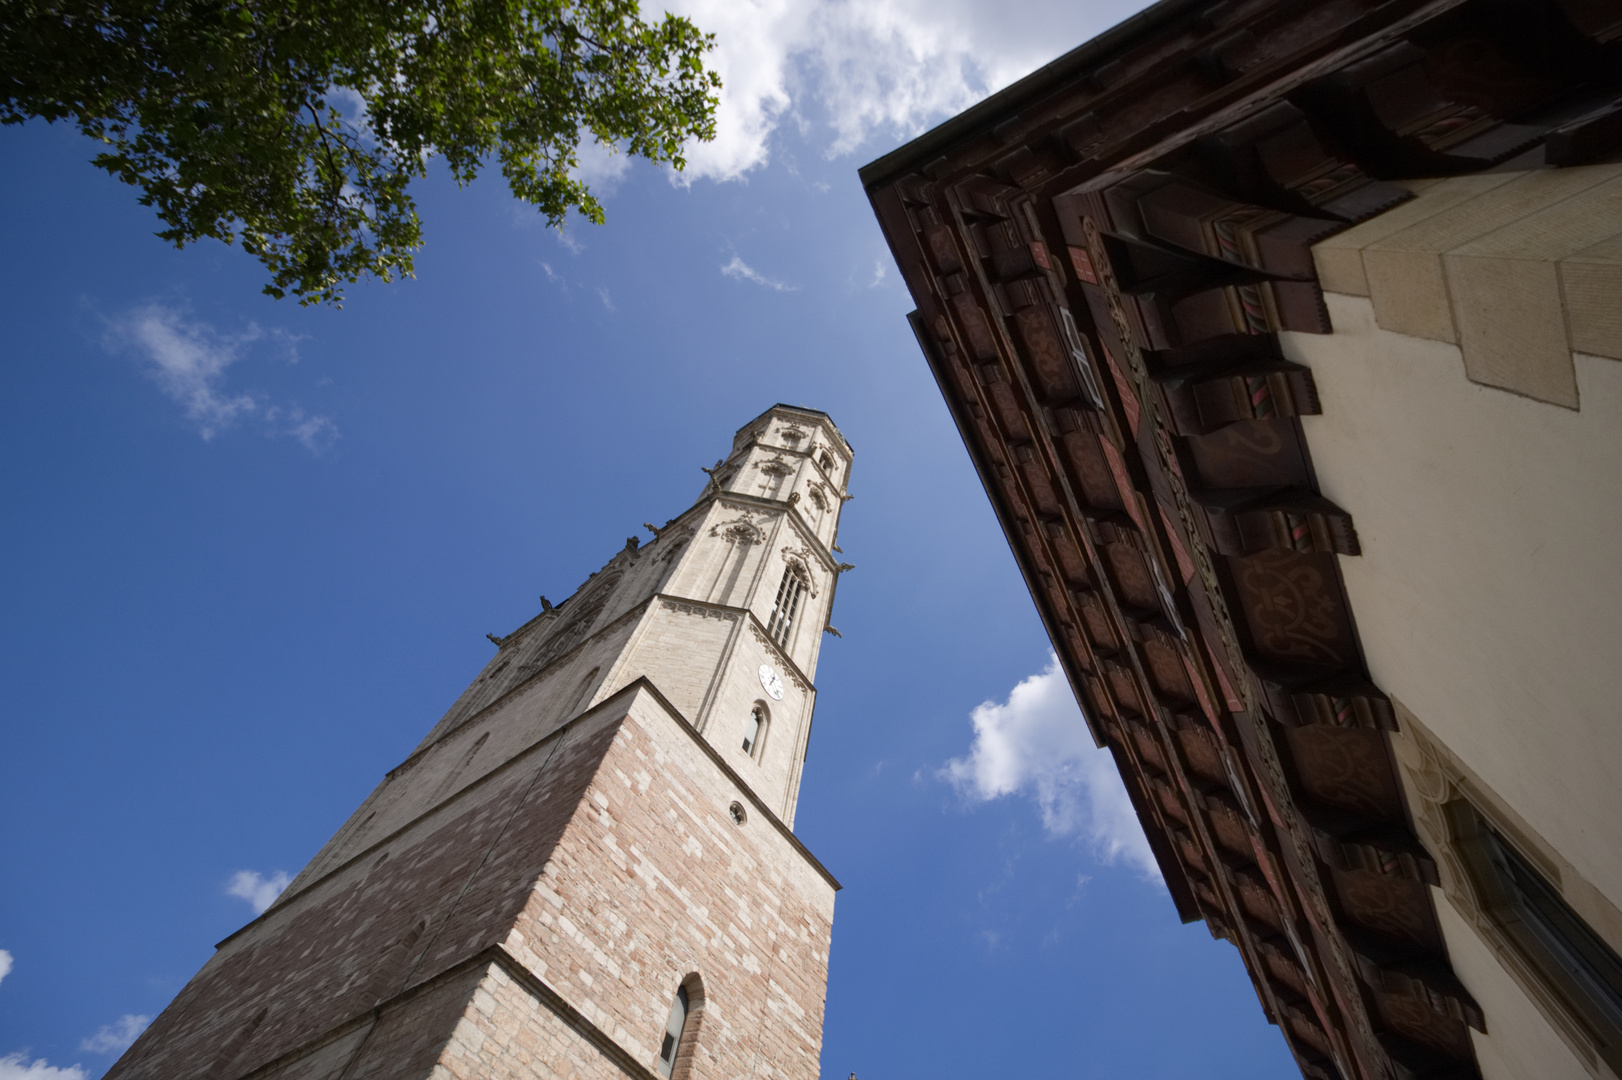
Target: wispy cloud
x=257 y=890
x=18 y=1067
x=315 y=433
x=115 y=1038
x=742 y=271
x=1036 y=744
x=878 y=274
x=5 y=964
x=602 y=294
x=189 y=360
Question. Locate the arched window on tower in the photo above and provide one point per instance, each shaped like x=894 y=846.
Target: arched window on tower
x=826 y=461
x=788 y=605
x=754 y=733
x=682 y=1027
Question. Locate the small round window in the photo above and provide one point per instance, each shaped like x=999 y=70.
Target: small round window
x=736 y=813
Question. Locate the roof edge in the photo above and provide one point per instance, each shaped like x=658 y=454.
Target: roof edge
x=1090 y=53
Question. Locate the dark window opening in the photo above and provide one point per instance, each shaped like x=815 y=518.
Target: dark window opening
x=753 y=732
x=673 y=1030
x=788 y=604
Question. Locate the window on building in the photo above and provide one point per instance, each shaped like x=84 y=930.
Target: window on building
x=754 y=733
x=673 y=1030
x=788 y=604
x=827 y=462
x=1575 y=962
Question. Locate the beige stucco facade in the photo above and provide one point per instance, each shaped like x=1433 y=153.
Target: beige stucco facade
x=1472 y=427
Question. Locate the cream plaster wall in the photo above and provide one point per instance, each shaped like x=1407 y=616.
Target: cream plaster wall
x=1488 y=596
x=1520 y=1044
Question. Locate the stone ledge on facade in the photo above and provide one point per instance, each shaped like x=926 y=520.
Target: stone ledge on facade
x=1505 y=265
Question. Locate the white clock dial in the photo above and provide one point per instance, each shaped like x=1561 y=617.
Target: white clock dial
x=771 y=681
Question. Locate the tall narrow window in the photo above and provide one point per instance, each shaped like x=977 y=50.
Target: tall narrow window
x=788 y=603
x=673 y=1030
x=1583 y=970
x=754 y=733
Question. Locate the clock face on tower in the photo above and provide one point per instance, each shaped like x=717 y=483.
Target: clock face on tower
x=771 y=681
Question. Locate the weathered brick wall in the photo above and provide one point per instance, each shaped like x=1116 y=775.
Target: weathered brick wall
x=603 y=859
x=507 y=1033
x=653 y=881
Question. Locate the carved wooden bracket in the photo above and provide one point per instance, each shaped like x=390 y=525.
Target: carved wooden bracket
x=1244 y=522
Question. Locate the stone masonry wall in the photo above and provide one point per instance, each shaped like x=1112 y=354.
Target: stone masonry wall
x=652 y=881
x=506 y=1033
x=603 y=859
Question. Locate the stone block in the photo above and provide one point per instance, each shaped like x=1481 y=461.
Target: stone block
x=1510 y=328
x=1507 y=298
x=1339 y=259
x=1405 y=274
x=1592 y=285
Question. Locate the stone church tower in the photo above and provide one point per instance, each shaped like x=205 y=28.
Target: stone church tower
x=586 y=870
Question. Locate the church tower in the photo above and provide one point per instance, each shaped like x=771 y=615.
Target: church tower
x=587 y=869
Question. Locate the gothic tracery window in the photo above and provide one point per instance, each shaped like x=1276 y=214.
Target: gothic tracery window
x=789 y=594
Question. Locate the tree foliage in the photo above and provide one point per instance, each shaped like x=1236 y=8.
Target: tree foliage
x=295 y=127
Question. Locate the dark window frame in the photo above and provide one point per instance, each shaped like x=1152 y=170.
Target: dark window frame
x=790 y=593
x=675 y=1027
x=754 y=741
x=682 y=1029
x=1579 y=968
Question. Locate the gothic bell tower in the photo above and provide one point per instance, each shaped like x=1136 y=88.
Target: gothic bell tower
x=587 y=868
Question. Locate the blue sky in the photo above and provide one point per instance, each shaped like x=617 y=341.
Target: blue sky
x=251 y=552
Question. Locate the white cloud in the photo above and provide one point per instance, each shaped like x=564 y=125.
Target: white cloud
x=1036 y=743
x=115 y=1038
x=16 y=1067
x=741 y=270
x=869 y=67
x=188 y=361
x=259 y=891
x=602 y=294
x=5 y=964
x=878 y=274
x=600 y=166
